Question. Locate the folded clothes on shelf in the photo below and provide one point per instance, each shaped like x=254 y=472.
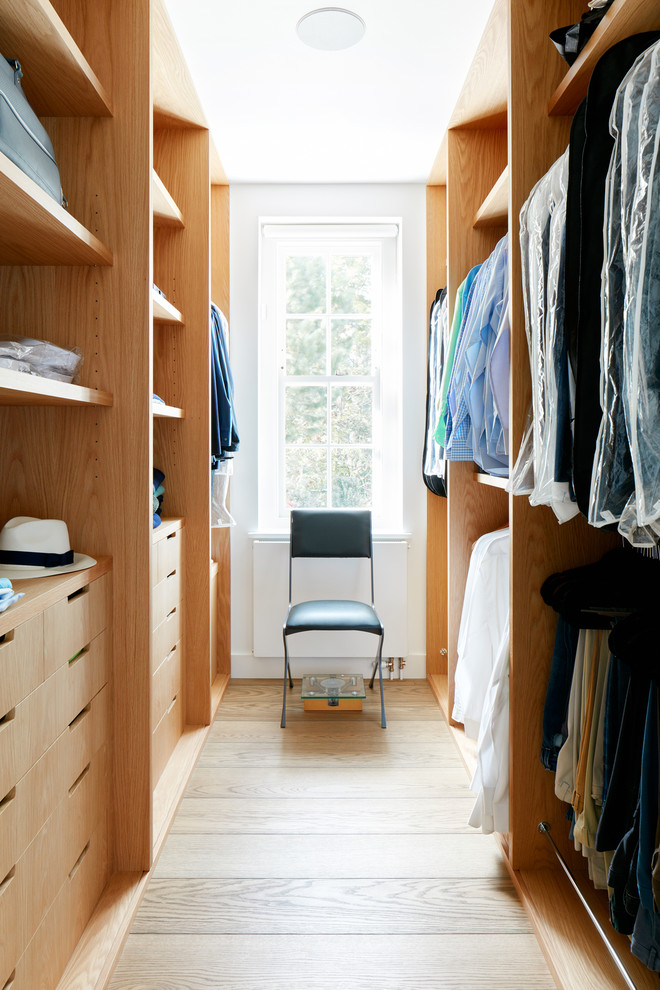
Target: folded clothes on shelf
x=40 y=357
x=7 y=594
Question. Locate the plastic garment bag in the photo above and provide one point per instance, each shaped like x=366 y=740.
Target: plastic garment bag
x=434 y=464
x=626 y=472
x=542 y=242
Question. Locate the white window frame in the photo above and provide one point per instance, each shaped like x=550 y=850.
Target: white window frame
x=384 y=235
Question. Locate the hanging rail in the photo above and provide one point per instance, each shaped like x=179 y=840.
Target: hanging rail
x=544 y=828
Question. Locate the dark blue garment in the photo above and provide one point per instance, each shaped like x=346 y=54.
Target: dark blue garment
x=645 y=942
x=555 y=730
x=224 y=433
x=622 y=880
x=615 y=697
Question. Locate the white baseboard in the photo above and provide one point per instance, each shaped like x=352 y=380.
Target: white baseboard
x=245 y=665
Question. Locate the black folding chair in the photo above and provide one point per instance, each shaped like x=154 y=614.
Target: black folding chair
x=332 y=533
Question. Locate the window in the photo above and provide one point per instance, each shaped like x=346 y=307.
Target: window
x=330 y=370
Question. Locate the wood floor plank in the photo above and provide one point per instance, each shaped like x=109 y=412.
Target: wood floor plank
x=334 y=782
x=331 y=907
x=371 y=816
x=447 y=855
x=260 y=731
x=349 y=962
x=359 y=753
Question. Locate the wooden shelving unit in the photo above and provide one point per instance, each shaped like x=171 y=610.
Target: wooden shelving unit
x=503 y=136
x=36 y=230
x=58 y=80
x=139 y=211
x=164 y=311
x=20 y=389
x=494 y=211
x=166 y=212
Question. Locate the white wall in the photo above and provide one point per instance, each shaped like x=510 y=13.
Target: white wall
x=247 y=203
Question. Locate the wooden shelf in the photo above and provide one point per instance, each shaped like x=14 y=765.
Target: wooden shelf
x=494 y=211
x=624 y=18
x=165 y=211
x=175 y=102
x=42 y=592
x=58 y=80
x=164 y=311
x=490 y=480
x=167 y=412
x=167 y=526
x=35 y=230
x=20 y=389
x=483 y=98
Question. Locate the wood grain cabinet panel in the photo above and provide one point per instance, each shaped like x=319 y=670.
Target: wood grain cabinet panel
x=21 y=663
x=164 y=596
x=168 y=553
x=166 y=636
x=72 y=623
x=166 y=683
x=165 y=737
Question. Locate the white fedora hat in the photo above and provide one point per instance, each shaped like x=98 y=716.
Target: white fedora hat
x=32 y=548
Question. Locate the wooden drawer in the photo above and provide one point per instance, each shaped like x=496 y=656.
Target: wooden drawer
x=21 y=662
x=166 y=635
x=46 y=956
x=164 y=596
x=166 y=683
x=83 y=677
x=167 y=556
x=13 y=932
x=32 y=726
x=25 y=806
x=165 y=737
x=72 y=623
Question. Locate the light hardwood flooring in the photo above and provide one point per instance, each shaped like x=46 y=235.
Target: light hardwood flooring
x=330 y=854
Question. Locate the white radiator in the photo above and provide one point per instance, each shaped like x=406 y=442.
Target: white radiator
x=333 y=578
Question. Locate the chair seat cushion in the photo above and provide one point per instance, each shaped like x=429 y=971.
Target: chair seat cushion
x=327 y=615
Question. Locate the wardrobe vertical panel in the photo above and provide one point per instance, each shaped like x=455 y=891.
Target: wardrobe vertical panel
x=539 y=545
x=73 y=463
x=182 y=370
x=475 y=159
x=436 y=506
x=220 y=536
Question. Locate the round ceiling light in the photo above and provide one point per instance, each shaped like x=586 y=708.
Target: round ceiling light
x=330 y=28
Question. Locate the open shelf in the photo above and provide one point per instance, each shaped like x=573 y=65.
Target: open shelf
x=494 y=211
x=483 y=98
x=165 y=211
x=20 y=389
x=167 y=412
x=490 y=480
x=164 y=311
x=58 y=80
x=624 y=18
x=35 y=230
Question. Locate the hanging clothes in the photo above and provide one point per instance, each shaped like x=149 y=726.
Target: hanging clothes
x=433 y=462
x=224 y=432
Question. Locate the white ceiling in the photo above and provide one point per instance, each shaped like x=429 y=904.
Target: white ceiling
x=282 y=112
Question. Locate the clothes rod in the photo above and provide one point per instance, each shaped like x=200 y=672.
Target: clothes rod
x=544 y=828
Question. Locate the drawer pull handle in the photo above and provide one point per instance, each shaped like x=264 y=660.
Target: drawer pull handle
x=171 y=574
x=170 y=614
x=172 y=651
x=7 y=638
x=6 y=719
x=79 y=654
x=171 y=536
x=76 y=865
x=7 y=799
x=78 y=594
x=79 y=779
x=171 y=705
x=80 y=716
x=8 y=879
x=10 y=981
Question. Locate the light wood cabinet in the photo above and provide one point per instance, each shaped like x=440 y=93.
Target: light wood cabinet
x=147 y=203
x=511 y=122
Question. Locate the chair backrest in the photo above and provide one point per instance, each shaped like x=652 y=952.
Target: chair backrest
x=331 y=533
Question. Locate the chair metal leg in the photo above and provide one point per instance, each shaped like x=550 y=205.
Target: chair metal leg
x=287 y=670
x=378 y=667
